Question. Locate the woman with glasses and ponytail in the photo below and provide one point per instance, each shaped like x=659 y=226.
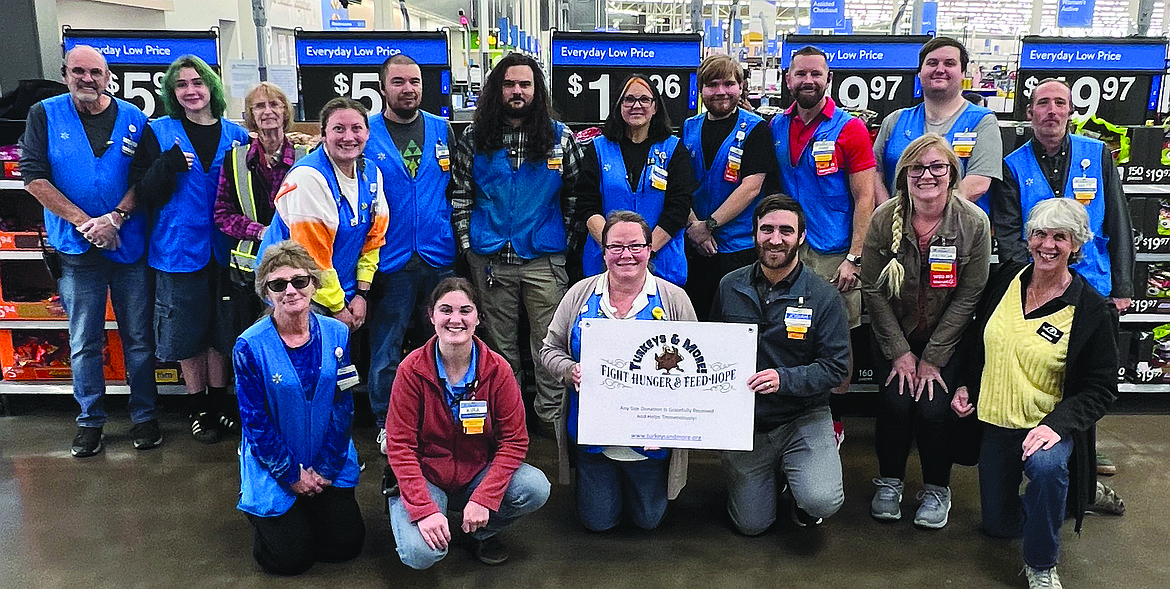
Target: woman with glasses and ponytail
x=926 y=262
x=637 y=165
x=614 y=480
x=298 y=464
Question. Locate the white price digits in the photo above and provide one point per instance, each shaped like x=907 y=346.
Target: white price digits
x=137 y=85
x=365 y=85
x=855 y=94
x=1088 y=92
x=668 y=87
x=601 y=84
x=575 y=85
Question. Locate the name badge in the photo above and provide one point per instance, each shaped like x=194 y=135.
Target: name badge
x=472 y=425
x=1084 y=189
x=825 y=157
x=347 y=377
x=943 y=268
x=797 y=321
x=554 y=163
x=734 y=157
x=443 y=156
x=1050 y=332
x=964 y=143
x=658 y=177
x=129 y=146
x=469 y=409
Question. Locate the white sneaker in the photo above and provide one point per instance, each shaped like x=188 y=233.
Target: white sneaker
x=1042 y=579
x=382 y=441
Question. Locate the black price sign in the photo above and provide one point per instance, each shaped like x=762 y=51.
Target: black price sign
x=877 y=73
x=348 y=64
x=139 y=59
x=588 y=70
x=1117 y=80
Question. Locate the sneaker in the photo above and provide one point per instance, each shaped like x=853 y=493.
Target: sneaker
x=839 y=433
x=936 y=504
x=802 y=519
x=490 y=551
x=1106 y=501
x=887 y=502
x=205 y=428
x=87 y=442
x=1042 y=579
x=146 y=435
x=227 y=423
x=382 y=441
x=1105 y=466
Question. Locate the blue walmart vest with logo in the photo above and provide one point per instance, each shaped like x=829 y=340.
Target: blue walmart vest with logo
x=419 y=205
x=671 y=261
x=95 y=184
x=826 y=201
x=1094 y=266
x=735 y=235
x=912 y=124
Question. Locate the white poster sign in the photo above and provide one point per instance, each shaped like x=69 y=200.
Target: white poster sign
x=668 y=384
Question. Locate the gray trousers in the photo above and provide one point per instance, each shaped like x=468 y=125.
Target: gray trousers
x=806 y=452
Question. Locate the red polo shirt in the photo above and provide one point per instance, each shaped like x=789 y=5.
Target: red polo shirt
x=854 y=148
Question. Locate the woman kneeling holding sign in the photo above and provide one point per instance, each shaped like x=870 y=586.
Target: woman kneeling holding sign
x=613 y=479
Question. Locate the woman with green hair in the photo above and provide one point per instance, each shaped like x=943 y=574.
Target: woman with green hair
x=176 y=173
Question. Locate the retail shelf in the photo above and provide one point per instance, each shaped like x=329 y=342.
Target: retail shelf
x=1143 y=388
x=11 y=185
x=1146 y=318
x=64 y=387
x=1153 y=257
x=1131 y=189
x=50 y=324
x=20 y=255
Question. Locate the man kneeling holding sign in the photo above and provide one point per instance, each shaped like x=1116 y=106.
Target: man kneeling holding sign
x=803 y=353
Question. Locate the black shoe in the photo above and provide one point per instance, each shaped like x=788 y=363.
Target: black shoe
x=205 y=428
x=87 y=442
x=802 y=519
x=227 y=423
x=491 y=551
x=146 y=435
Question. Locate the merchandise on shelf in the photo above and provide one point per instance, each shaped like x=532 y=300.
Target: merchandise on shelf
x=27 y=291
x=1151 y=224
x=1150 y=356
x=1151 y=288
x=9 y=161
x=43 y=354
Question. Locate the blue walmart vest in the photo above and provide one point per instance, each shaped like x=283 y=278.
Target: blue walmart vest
x=912 y=124
x=735 y=235
x=826 y=201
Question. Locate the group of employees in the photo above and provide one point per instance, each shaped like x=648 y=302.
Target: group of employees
x=394 y=220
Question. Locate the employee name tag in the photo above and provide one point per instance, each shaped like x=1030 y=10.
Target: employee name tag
x=658 y=177
x=943 y=268
x=1084 y=189
x=1050 y=332
x=129 y=146
x=472 y=425
x=347 y=377
x=825 y=157
x=797 y=321
x=443 y=156
x=554 y=160
x=964 y=143
x=468 y=409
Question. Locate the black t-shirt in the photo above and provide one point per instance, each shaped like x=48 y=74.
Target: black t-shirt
x=409 y=139
x=205 y=140
x=758 y=156
x=34 y=144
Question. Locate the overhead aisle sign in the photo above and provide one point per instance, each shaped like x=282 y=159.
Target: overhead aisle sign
x=588 y=70
x=870 y=72
x=332 y=64
x=1115 y=79
x=139 y=59
x=827 y=14
x=1075 y=13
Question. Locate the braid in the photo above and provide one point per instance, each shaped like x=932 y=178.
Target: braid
x=893 y=274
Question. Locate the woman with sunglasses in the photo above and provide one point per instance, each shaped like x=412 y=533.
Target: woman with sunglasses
x=456 y=439
x=636 y=165
x=614 y=479
x=298 y=464
x=926 y=262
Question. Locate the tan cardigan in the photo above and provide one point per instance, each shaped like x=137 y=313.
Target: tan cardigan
x=555 y=355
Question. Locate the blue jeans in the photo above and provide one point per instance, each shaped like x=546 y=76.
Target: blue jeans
x=806 y=451
x=605 y=486
x=526 y=492
x=1039 y=515
x=85 y=281
x=398 y=295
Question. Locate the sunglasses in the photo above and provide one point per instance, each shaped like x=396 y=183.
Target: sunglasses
x=280 y=284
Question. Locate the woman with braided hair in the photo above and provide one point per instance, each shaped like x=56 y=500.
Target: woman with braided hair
x=925 y=264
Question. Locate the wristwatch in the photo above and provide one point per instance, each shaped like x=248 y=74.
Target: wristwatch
x=855 y=260
x=121 y=213
x=363 y=293
x=711 y=223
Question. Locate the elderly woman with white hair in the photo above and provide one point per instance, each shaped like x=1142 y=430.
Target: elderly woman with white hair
x=1040 y=370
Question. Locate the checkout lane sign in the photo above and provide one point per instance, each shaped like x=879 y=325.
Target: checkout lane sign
x=139 y=59
x=1117 y=80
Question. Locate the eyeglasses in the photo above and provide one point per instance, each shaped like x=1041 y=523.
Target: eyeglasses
x=273 y=104
x=638 y=100
x=635 y=248
x=937 y=169
x=280 y=284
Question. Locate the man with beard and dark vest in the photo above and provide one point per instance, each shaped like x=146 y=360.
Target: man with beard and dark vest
x=412 y=148
x=514 y=170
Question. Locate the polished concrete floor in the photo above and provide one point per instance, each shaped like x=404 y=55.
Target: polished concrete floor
x=166 y=518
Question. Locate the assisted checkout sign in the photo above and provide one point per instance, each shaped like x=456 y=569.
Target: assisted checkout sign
x=588 y=70
x=332 y=64
x=1117 y=80
x=870 y=72
x=139 y=59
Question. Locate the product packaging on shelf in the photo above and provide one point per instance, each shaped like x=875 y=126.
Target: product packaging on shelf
x=1151 y=288
x=43 y=354
x=27 y=291
x=1151 y=224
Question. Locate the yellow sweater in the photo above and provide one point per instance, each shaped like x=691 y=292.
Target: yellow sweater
x=1023 y=374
